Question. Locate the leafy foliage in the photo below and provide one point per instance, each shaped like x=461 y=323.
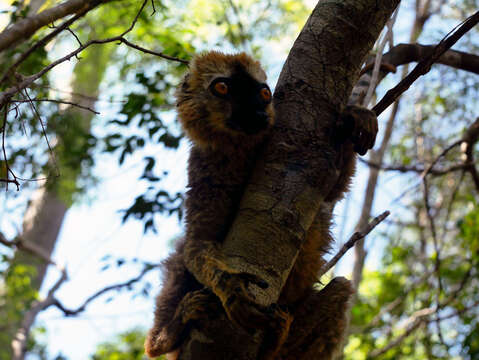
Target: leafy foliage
x=126 y=346
x=16 y=297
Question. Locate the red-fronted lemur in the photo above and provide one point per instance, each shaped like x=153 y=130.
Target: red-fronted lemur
x=225 y=108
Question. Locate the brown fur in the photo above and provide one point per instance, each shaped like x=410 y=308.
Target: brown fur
x=198 y=283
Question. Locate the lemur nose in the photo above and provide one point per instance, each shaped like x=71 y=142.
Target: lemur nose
x=262 y=116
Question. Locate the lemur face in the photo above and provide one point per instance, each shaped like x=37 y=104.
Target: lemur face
x=248 y=101
x=224 y=98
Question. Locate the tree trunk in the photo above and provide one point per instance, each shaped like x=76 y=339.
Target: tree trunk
x=45 y=213
x=297 y=169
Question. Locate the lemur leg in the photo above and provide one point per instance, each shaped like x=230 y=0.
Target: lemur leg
x=319 y=323
x=275 y=334
x=204 y=259
x=196 y=305
x=229 y=285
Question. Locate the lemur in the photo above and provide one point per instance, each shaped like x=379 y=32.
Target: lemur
x=226 y=110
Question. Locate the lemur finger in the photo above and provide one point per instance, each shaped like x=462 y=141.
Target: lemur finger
x=245 y=314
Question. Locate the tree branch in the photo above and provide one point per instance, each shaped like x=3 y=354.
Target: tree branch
x=151 y=52
x=21 y=336
x=25 y=28
x=416 y=321
x=27 y=81
x=470 y=138
x=424 y=316
x=8 y=171
x=56 y=101
x=126 y=284
x=424 y=66
x=415 y=168
x=407 y=53
x=43 y=42
x=352 y=240
x=20 y=340
x=23 y=244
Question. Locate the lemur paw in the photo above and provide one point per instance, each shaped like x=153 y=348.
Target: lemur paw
x=360 y=125
x=340 y=289
x=276 y=332
x=239 y=303
x=196 y=305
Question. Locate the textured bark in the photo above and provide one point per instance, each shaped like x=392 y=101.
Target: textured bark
x=297 y=169
x=41 y=224
x=34 y=6
x=406 y=53
x=24 y=29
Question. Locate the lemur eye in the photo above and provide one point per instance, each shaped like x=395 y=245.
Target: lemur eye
x=221 y=88
x=265 y=94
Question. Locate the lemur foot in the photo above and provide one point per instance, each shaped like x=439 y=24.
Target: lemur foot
x=239 y=303
x=360 y=125
x=195 y=305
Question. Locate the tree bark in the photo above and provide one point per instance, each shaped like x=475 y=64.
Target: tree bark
x=25 y=28
x=297 y=169
x=41 y=224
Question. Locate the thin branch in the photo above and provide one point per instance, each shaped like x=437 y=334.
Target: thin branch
x=417 y=322
x=156 y=53
x=424 y=66
x=27 y=81
x=43 y=42
x=57 y=102
x=377 y=61
x=44 y=130
x=406 y=53
x=153 y=7
x=7 y=167
x=21 y=336
x=429 y=169
x=74 y=35
x=352 y=240
x=23 y=244
x=423 y=316
x=415 y=168
x=470 y=138
x=450 y=206
x=81 y=308
x=393 y=304
x=25 y=28
x=437 y=249
x=443 y=153
x=459 y=312
x=83 y=96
